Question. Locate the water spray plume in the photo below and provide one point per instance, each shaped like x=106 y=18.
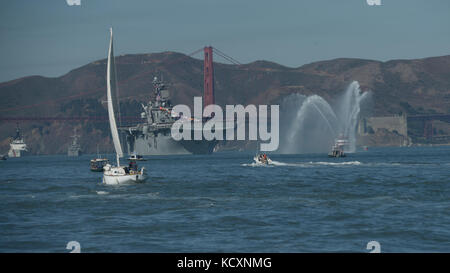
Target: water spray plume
x=311 y=125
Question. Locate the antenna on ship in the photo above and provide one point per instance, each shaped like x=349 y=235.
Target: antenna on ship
x=17 y=131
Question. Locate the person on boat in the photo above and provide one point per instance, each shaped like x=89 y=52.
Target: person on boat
x=261 y=158
x=133 y=165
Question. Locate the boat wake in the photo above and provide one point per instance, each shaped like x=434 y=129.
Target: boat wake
x=273 y=164
x=277 y=163
x=312 y=164
x=303 y=165
x=254 y=164
x=337 y=163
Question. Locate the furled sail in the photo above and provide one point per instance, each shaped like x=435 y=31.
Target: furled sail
x=111 y=84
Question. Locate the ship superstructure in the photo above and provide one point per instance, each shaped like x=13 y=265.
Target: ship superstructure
x=18 y=147
x=74 y=147
x=153 y=135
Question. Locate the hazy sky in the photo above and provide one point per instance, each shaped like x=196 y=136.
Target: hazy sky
x=50 y=38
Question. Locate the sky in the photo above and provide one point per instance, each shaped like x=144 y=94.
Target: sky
x=51 y=37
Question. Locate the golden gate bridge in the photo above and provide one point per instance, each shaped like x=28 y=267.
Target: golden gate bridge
x=208 y=94
x=208 y=98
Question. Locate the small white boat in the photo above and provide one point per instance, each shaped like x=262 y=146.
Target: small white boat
x=122 y=175
x=262 y=159
x=18 y=148
x=336 y=151
x=339 y=146
x=136 y=157
x=116 y=175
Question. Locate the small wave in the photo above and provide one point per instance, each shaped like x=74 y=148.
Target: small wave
x=403 y=164
x=152 y=195
x=102 y=192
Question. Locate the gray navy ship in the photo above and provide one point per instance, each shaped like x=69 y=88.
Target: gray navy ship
x=153 y=136
x=74 y=147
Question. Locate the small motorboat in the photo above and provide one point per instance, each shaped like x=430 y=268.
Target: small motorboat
x=3 y=157
x=97 y=164
x=340 y=144
x=262 y=159
x=136 y=157
x=336 y=151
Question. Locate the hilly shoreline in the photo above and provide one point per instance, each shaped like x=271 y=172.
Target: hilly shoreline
x=419 y=86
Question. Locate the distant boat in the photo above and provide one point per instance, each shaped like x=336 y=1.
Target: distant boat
x=114 y=175
x=3 y=157
x=337 y=150
x=136 y=157
x=262 y=159
x=74 y=148
x=18 y=147
x=98 y=163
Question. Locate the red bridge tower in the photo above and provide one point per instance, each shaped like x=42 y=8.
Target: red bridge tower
x=208 y=70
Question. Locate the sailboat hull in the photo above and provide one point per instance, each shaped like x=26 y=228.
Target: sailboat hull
x=123 y=179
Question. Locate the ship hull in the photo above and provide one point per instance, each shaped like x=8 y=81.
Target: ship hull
x=164 y=144
x=123 y=179
x=16 y=153
x=17 y=148
x=73 y=153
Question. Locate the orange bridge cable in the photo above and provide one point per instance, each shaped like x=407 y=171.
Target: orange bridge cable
x=196 y=52
x=223 y=55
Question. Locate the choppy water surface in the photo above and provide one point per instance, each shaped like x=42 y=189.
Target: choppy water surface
x=224 y=203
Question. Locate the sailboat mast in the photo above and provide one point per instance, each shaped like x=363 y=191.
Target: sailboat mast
x=111 y=84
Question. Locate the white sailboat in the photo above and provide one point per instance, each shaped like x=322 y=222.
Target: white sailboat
x=114 y=175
